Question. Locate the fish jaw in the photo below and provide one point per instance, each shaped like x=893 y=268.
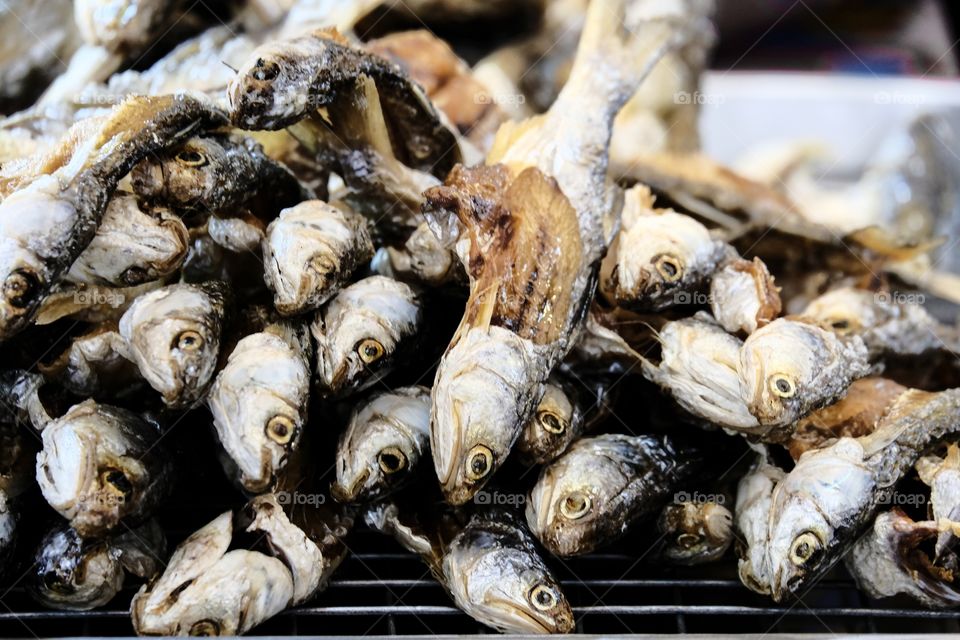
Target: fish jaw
x=65 y=469
x=486 y=389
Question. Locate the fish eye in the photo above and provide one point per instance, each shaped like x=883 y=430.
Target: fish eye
x=781 y=385
x=391 y=460
x=117 y=481
x=543 y=597
x=551 y=422
x=280 y=429
x=688 y=540
x=189 y=341
x=840 y=325
x=806 y=547
x=669 y=267
x=266 y=71
x=479 y=462
x=191 y=158
x=205 y=627
x=370 y=350
x=575 y=505
x=134 y=276
x=20 y=288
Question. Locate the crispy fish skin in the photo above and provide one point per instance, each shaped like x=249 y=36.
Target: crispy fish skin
x=78 y=575
x=832 y=493
x=695 y=533
x=361 y=331
x=888 y=561
x=132 y=246
x=174 y=335
x=383 y=444
x=216 y=172
x=283 y=82
x=102 y=466
x=789 y=368
x=488 y=563
x=590 y=495
x=60 y=200
x=259 y=403
x=209 y=588
x=310 y=251
x=660 y=258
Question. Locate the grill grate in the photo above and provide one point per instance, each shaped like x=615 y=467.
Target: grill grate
x=381 y=590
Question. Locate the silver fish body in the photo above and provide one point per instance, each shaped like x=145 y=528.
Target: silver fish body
x=590 y=495
x=209 y=588
x=310 y=251
x=789 y=368
x=173 y=335
x=102 y=466
x=259 y=403
x=361 y=331
x=832 y=493
x=132 y=246
x=76 y=574
x=888 y=561
x=58 y=202
x=383 y=445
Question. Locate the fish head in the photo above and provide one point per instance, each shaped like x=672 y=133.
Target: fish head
x=566 y=510
x=552 y=427
x=696 y=532
x=258 y=402
x=174 y=337
x=659 y=262
x=486 y=387
x=71 y=573
x=510 y=590
x=845 y=310
x=118 y=24
x=272 y=89
x=36 y=225
x=814 y=513
x=191 y=176
x=361 y=331
x=371 y=466
x=304 y=255
x=89 y=471
x=780 y=366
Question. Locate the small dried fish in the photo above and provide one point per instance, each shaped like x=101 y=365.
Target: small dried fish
x=310 y=251
x=942 y=475
x=102 y=466
x=789 y=368
x=57 y=202
x=751 y=513
x=695 y=533
x=215 y=585
x=173 y=335
x=832 y=493
x=743 y=296
x=590 y=495
x=76 y=574
x=424 y=259
x=886 y=324
x=489 y=565
x=383 y=444
x=660 y=258
x=698 y=366
x=217 y=173
x=283 y=82
x=94 y=363
x=259 y=403
x=888 y=561
x=362 y=331
x=132 y=246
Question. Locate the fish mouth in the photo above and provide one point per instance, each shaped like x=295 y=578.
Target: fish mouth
x=344 y=493
x=512 y=613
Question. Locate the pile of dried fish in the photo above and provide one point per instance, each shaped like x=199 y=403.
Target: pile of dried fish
x=346 y=270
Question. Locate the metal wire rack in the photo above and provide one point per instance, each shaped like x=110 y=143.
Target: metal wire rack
x=381 y=590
